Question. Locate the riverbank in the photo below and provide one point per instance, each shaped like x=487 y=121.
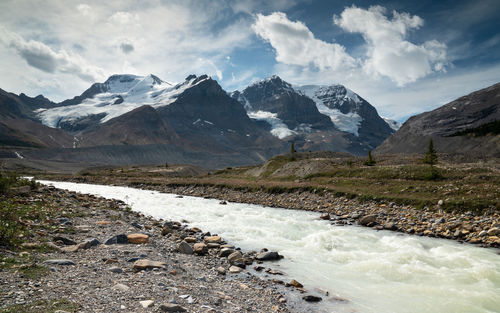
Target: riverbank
x=478 y=228
x=80 y=253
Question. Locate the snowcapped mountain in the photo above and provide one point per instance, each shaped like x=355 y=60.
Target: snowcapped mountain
x=338 y=103
x=130 y=119
x=292 y=111
x=286 y=111
x=118 y=95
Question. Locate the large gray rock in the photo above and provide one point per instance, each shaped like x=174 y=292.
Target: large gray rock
x=268 y=256
x=367 y=220
x=185 y=248
x=118 y=239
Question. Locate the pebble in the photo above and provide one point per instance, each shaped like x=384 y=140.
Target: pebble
x=146 y=303
x=171 y=307
x=59 y=262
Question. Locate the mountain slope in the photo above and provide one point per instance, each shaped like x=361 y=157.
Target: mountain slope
x=445 y=123
x=287 y=111
x=349 y=112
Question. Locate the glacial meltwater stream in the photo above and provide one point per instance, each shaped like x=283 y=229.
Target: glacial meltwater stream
x=376 y=271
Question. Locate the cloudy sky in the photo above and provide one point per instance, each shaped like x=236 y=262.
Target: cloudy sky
x=403 y=56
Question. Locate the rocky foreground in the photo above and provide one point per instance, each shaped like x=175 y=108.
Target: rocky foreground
x=96 y=255
x=482 y=230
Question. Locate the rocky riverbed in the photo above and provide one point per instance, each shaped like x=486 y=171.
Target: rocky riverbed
x=99 y=256
x=482 y=230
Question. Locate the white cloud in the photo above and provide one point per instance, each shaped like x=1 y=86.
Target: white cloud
x=40 y=56
x=295 y=44
x=124 y=18
x=388 y=52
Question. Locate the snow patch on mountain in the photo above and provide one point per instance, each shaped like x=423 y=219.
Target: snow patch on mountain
x=349 y=122
x=124 y=93
x=278 y=128
x=392 y=123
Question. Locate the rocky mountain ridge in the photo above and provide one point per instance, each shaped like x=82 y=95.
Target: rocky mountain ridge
x=193 y=118
x=445 y=123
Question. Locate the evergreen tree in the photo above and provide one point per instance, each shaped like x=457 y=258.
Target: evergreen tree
x=371 y=161
x=431 y=156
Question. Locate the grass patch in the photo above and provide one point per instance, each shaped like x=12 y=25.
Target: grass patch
x=46 y=306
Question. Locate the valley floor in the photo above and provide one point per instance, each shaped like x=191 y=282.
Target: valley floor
x=376 y=197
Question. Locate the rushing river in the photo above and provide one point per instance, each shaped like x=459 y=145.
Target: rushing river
x=376 y=271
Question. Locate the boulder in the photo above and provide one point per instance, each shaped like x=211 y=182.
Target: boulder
x=212 y=239
x=234 y=256
x=118 y=239
x=185 y=248
x=310 y=298
x=224 y=252
x=200 y=248
x=367 y=220
x=268 y=256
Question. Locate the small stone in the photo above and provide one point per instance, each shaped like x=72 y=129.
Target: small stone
x=146 y=303
x=195 y=230
x=185 y=248
x=190 y=239
x=115 y=269
x=59 y=262
x=136 y=225
x=138 y=238
x=200 y=248
x=440 y=202
x=235 y=269
x=102 y=223
x=171 y=307
x=325 y=216
x=70 y=249
x=111 y=261
x=64 y=240
x=221 y=270
x=310 y=298
x=89 y=244
x=145 y=264
x=121 y=287
x=212 y=239
x=296 y=284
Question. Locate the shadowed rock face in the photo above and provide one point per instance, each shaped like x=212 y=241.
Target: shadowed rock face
x=471 y=111
x=277 y=96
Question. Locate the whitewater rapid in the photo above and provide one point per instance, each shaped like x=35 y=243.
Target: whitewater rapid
x=375 y=271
